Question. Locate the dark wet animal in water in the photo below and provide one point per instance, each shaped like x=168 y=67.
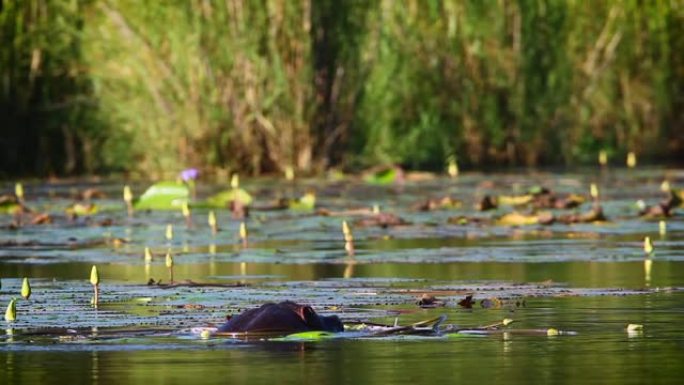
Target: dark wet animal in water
x=283 y=317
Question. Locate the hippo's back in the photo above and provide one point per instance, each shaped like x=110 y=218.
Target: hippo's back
x=269 y=318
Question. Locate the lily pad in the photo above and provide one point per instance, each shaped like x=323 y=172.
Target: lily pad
x=223 y=198
x=163 y=196
x=384 y=176
x=306 y=203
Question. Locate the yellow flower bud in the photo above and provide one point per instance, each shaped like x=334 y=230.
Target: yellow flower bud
x=94 y=276
x=11 y=312
x=25 y=288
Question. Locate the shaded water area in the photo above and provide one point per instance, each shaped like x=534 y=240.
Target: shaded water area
x=586 y=280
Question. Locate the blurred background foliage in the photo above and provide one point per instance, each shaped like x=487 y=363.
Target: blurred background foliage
x=99 y=86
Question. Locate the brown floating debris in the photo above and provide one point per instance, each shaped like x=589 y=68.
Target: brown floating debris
x=467 y=302
x=382 y=219
x=429 y=301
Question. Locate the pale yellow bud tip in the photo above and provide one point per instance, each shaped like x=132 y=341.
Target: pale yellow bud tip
x=94 y=276
x=648 y=245
x=11 y=312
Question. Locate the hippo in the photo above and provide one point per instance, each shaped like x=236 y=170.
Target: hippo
x=283 y=317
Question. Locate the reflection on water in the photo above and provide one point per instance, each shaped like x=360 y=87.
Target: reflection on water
x=597 y=358
x=637 y=274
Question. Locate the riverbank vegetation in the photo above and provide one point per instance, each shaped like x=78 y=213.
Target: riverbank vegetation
x=97 y=86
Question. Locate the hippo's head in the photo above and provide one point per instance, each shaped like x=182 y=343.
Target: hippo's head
x=287 y=316
x=314 y=321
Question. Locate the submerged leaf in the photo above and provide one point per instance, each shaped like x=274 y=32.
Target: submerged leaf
x=307 y=336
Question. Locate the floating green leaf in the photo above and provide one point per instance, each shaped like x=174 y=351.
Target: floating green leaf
x=305 y=203
x=9 y=205
x=307 y=336
x=464 y=335
x=384 y=177
x=223 y=199
x=163 y=196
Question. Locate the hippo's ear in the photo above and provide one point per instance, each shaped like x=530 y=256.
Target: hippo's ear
x=307 y=314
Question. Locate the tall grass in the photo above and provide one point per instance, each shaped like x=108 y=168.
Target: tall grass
x=48 y=113
x=263 y=85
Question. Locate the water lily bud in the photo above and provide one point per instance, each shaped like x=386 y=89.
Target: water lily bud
x=127 y=194
x=631 y=159
x=662 y=228
x=148 y=255
x=603 y=158
x=648 y=245
x=169 y=260
x=19 y=191
x=186 y=210
x=665 y=186
x=11 y=312
x=235 y=181
x=551 y=332
x=169 y=232
x=25 y=288
x=289 y=173
x=594 y=191
x=376 y=209
x=348 y=237
x=94 y=276
x=452 y=167
x=507 y=321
